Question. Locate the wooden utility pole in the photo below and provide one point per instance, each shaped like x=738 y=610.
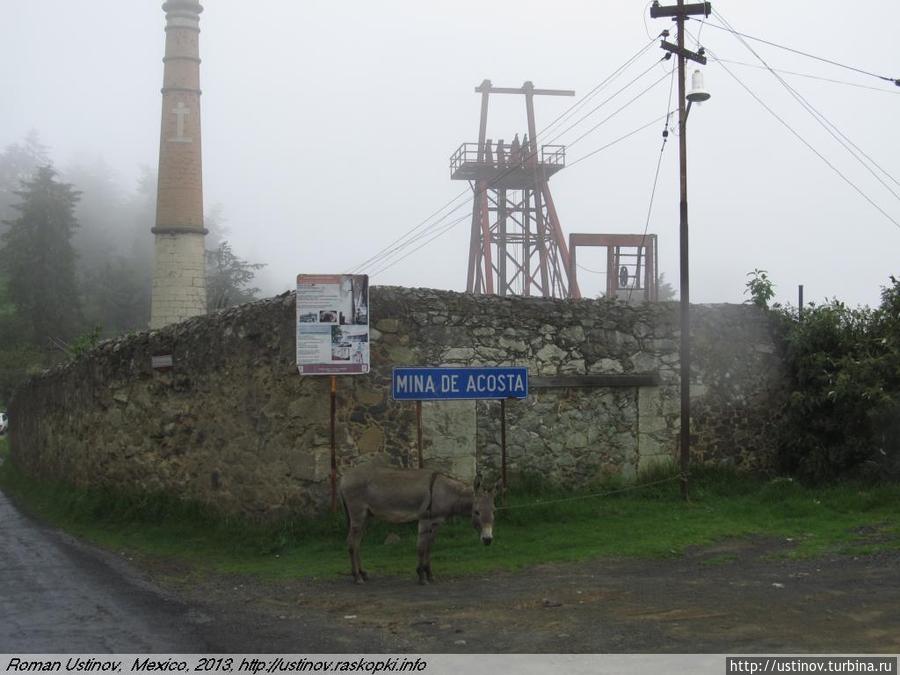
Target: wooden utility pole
x=680 y=12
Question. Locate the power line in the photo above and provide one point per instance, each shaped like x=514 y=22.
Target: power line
x=439 y=234
x=379 y=260
x=609 y=117
x=588 y=269
x=620 y=139
x=823 y=121
x=604 y=102
x=809 y=76
x=893 y=80
x=662 y=149
x=387 y=249
x=598 y=88
x=408 y=238
x=805 y=142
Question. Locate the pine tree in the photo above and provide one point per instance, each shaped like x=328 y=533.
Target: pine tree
x=18 y=162
x=39 y=261
x=228 y=278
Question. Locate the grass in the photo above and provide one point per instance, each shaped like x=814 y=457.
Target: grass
x=648 y=522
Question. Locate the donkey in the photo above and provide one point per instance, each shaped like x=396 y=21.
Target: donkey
x=402 y=496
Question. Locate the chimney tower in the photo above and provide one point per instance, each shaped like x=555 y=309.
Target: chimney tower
x=179 y=278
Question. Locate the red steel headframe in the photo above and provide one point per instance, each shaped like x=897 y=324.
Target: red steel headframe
x=517 y=246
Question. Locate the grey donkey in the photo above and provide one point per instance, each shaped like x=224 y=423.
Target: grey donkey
x=405 y=495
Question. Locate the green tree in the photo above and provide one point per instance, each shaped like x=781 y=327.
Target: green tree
x=39 y=261
x=228 y=278
x=665 y=291
x=18 y=162
x=760 y=288
x=114 y=247
x=18 y=357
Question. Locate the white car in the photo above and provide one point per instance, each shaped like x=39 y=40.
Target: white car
x=4 y=423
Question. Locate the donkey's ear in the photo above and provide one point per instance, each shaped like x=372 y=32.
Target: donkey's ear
x=477 y=484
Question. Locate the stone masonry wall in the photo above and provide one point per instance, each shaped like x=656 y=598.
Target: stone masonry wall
x=233 y=424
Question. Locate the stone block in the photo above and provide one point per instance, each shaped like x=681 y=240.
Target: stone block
x=449 y=433
x=458 y=354
x=371 y=440
x=606 y=366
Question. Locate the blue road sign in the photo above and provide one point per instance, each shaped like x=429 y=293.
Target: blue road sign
x=430 y=384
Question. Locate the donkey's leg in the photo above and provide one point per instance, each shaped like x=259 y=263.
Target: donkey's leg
x=432 y=535
x=423 y=544
x=354 y=539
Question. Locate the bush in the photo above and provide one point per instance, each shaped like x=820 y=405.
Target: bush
x=841 y=417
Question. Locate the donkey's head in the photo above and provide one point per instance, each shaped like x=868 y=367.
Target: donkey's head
x=483 y=512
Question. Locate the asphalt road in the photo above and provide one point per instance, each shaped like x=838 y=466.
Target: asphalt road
x=57 y=595
x=60 y=595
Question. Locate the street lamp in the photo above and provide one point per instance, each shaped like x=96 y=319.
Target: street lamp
x=698 y=92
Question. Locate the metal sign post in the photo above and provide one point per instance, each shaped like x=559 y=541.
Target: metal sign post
x=419 y=433
x=503 y=446
x=332 y=324
x=333 y=446
x=454 y=384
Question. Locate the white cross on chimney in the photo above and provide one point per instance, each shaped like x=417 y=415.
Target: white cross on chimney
x=180 y=111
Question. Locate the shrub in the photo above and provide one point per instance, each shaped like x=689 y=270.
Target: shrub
x=841 y=417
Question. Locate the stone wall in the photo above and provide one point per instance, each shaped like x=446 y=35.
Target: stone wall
x=233 y=424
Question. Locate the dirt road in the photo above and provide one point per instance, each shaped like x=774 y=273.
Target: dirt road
x=58 y=595
x=737 y=597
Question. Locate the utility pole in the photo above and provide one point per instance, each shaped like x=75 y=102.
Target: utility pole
x=680 y=12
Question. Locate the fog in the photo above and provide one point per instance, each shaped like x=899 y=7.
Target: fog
x=327 y=128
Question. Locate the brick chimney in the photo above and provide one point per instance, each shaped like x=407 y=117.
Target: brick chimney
x=179 y=278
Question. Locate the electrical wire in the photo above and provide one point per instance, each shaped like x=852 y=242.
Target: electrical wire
x=387 y=250
x=662 y=149
x=588 y=269
x=823 y=121
x=605 y=101
x=409 y=238
x=609 y=117
x=619 y=139
x=566 y=114
x=806 y=143
x=808 y=76
x=409 y=253
x=893 y=80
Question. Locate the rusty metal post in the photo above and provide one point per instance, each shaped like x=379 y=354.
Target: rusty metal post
x=419 y=433
x=333 y=446
x=503 y=483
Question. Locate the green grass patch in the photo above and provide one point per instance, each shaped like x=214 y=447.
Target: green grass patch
x=538 y=527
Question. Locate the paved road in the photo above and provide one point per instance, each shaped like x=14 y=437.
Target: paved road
x=57 y=595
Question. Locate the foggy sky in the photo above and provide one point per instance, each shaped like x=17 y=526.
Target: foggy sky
x=327 y=128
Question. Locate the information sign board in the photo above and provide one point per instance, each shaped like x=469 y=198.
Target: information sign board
x=332 y=324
